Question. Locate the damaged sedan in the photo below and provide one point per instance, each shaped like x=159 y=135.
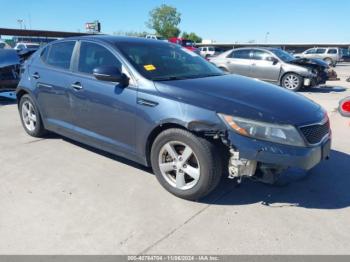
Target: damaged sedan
x=10 y=66
x=165 y=107
x=275 y=66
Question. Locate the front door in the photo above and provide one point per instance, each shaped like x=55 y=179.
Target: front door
x=265 y=66
x=104 y=111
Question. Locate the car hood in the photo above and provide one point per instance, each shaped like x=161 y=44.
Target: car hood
x=309 y=62
x=8 y=57
x=244 y=97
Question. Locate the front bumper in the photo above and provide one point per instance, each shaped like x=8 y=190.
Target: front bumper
x=279 y=154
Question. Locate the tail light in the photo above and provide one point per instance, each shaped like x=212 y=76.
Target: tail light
x=344 y=107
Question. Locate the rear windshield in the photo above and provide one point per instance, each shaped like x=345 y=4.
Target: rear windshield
x=166 y=61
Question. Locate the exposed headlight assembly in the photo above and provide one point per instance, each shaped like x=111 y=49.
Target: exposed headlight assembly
x=283 y=134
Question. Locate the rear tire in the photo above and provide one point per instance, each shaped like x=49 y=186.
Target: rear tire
x=186 y=165
x=292 y=82
x=30 y=117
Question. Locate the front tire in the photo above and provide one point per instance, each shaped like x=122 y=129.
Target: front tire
x=30 y=117
x=186 y=165
x=292 y=82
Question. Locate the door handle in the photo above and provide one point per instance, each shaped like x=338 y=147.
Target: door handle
x=145 y=102
x=77 y=86
x=36 y=75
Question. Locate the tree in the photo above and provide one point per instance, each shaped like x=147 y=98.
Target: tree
x=192 y=36
x=164 y=20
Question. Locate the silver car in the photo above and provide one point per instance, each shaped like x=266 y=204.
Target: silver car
x=273 y=65
x=331 y=55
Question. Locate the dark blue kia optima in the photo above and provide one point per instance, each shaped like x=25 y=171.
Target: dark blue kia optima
x=163 y=106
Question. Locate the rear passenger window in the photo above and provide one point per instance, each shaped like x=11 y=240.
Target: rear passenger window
x=44 y=54
x=94 y=55
x=60 y=54
x=241 y=54
x=332 y=51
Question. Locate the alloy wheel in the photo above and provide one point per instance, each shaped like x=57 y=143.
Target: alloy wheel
x=29 y=116
x=291 y=82
x=179 y=165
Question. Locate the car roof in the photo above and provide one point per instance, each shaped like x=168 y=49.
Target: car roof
x=257 y=48
x=114 y=39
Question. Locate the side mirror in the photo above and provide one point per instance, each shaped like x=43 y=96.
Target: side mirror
x=110 y=74
x=274 y=60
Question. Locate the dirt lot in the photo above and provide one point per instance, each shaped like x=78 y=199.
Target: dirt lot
x=58 y=197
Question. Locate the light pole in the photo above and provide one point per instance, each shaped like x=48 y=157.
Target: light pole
x=267 y=36
x=20 y=22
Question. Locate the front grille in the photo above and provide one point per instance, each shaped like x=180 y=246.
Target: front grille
x=315 y=133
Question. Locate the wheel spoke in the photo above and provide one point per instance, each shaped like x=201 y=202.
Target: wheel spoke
x=32 y=117
x=192 y=172
x=180 y=180
x=31 y=125
x=187 y=153
x=166 y=167
x=171 y=151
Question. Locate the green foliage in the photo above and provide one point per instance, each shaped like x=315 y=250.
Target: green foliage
x=192 y=36
x=164 y=20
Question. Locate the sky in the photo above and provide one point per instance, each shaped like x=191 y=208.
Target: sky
x=283 y=21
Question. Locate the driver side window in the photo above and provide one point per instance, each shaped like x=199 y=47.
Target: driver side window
x=94 y=55
x=310 y=51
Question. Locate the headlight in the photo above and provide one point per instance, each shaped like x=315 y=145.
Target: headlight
x=283 y=134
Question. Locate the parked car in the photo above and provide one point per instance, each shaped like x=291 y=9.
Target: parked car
x=188 y=44
x=331 y=55
x=207 y=51
x=9 y=69
x=26 y=46
x=344 y=107
x=156 y=37
x=165 y=107
x=4 y=45
x=345 y=55
x=273 y=65
x=10 y=66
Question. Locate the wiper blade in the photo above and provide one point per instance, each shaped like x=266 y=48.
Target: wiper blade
x=183 y=77
x=168 y=78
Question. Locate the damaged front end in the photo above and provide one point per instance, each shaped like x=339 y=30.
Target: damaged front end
x=10 y=66
x=240 y=168
x=322 y=71
x=264 y=160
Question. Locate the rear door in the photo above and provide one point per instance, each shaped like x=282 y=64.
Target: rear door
x=51 y=77
x=240 y=62
x=264 y=66
x=103 y=111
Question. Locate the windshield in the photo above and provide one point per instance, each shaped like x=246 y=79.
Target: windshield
x=283 y=55
x=161 y=62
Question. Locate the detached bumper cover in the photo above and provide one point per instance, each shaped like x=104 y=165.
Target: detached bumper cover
x=283 y=155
